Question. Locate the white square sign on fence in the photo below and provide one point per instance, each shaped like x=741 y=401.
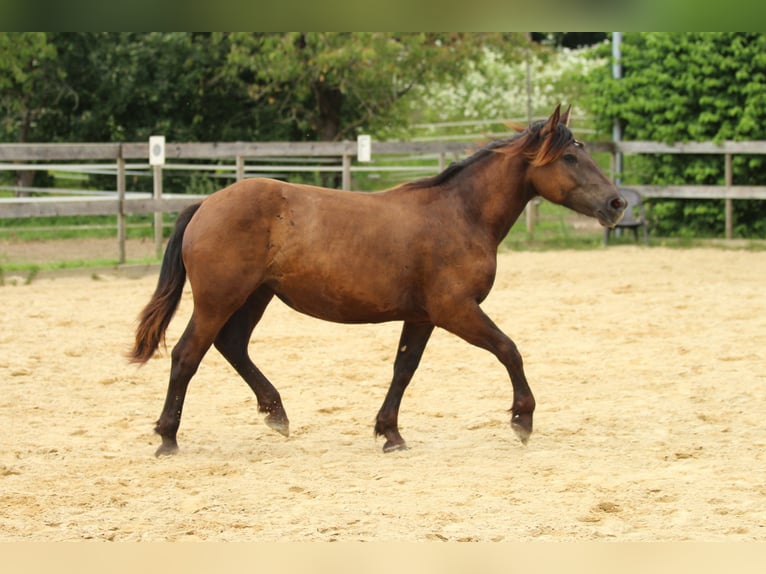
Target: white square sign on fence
x=364 y=148
x=156 y=150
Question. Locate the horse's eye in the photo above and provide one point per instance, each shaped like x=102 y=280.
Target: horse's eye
x=570 y=158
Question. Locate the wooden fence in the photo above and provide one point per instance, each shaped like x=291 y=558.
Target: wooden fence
x=728 y=191
x=114 y=158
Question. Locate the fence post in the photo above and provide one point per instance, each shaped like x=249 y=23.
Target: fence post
x=240 y=168
x=157 y=214
x=529 y=216
x=728 y=200
x=346 y=180
x=121 y=231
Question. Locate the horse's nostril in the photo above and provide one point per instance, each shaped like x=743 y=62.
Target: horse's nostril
x=618 y=203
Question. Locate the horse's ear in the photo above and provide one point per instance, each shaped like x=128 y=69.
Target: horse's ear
x=553 y=121
x=567 y=117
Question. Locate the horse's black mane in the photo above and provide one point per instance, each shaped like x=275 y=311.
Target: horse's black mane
x=458 y=166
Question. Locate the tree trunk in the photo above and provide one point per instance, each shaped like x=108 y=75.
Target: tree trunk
x=329 y=101
x=329 y=105
x=25 y=178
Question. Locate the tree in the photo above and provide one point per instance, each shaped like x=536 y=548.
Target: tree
x=117 y=86
x=31 y=86
x=128 y=86
x=328 y=86
x=690 y=87
x=30 y=82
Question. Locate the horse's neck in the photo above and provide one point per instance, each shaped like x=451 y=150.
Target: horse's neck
x=496 y=194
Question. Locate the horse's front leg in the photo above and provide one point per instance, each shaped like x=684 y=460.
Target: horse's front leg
x=412 y=343
x=471 y=324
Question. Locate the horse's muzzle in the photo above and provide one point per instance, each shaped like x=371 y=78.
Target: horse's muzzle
x=612 y=212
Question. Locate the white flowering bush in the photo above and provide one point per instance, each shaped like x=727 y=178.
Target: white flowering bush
x=494 y=93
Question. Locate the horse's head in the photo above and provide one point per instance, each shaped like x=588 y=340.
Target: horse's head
x=561 y=171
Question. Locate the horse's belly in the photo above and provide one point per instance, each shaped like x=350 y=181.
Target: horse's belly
x=352 y=302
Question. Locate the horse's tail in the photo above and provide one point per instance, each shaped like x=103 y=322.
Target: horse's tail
x=156 y=316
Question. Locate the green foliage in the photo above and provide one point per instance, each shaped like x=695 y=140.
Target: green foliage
x=30 y=83
x=128 y=86
x=690 y=86
x=330 y=86
x=121 y=86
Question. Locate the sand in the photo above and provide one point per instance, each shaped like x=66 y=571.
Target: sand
x=648 y=366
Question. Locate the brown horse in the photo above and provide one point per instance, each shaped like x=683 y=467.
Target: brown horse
x=424 y=253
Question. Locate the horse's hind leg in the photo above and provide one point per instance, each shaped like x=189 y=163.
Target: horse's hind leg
x=186 y=357
x=232 y=343
x=412 y=343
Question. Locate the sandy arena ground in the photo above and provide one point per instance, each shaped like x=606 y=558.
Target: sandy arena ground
x=648 y=366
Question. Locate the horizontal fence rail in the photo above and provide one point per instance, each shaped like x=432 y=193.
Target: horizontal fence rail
x=134 y=203
x=286 y=157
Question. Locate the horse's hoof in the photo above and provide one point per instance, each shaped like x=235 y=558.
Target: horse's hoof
x=392 y=446
x=522 y=426
x=167 y=448
x=279 y=423
x=521 y=432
